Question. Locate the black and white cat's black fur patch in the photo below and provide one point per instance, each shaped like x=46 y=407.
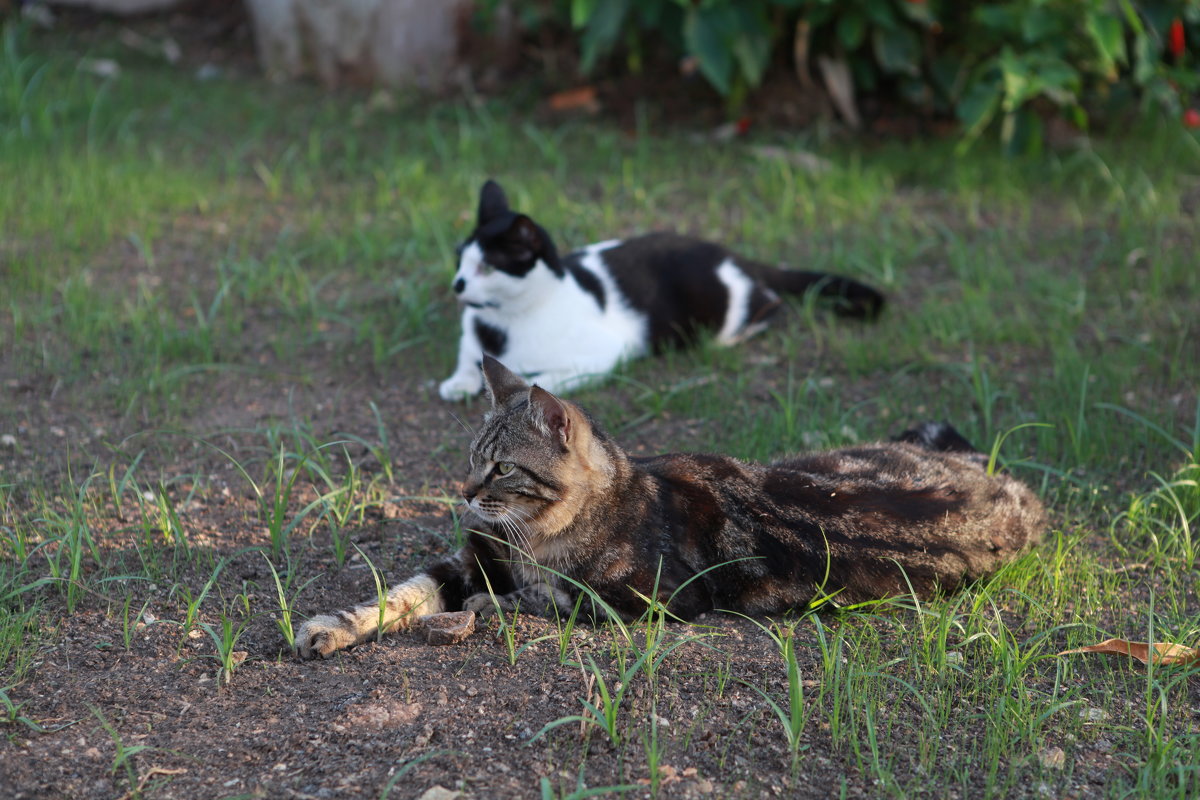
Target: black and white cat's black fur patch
x=566 y=320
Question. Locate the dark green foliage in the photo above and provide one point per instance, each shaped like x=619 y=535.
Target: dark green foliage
x=1003 y=64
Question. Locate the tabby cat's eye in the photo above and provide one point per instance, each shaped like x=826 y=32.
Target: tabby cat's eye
x=505 y=467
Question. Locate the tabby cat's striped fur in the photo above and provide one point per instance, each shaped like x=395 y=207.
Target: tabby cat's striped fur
x=549 y=488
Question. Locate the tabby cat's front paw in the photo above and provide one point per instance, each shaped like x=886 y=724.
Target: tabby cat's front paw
x=482 y=604
x=461 y=387
x=322 y=635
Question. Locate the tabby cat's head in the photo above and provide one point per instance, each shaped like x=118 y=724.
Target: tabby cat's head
x=535 y=461
x=506 y=249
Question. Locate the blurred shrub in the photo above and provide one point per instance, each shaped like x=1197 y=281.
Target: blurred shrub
x=1004 y=63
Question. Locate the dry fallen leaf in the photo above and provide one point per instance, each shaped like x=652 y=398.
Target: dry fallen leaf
x=800 y=47
x=1164 y=653
x=839 y=82
x=581 y=99
x=667 y=775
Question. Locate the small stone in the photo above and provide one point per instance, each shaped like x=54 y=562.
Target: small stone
x=1052 y=758
x=424 y=737
x=8 y=440
x=448 y=628
x=208 y=72
x=100 y=67
x=440 y=793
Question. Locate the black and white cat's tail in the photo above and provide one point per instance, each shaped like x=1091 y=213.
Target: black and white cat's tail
x=849 y=297
x=941 y=437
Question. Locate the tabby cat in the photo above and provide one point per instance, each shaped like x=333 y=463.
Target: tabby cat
x=564 y=320
x=548 y=487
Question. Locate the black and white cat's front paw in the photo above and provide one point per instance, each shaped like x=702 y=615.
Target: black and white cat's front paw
x=322 y=635
x=461 y=386
x=564 y=381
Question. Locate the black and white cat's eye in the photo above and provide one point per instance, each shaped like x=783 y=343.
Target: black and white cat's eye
x=505 y=468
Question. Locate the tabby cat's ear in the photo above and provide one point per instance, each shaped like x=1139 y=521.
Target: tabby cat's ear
x=492 y=202
x=549 y=415
x=501 y=382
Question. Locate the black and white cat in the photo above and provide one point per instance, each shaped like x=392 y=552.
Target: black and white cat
x=565 y=320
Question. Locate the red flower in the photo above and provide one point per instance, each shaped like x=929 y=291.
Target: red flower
x=1191 y=118
x=1175 y=42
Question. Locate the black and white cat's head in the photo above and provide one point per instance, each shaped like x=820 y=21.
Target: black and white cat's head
x=506 y=250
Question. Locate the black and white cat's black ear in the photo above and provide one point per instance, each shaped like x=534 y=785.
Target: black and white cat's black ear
x=523 y=239
x=492 y=202
x=501 y=382
x=550 y=415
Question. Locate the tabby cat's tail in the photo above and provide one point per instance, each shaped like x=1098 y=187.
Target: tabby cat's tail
x=849 y=297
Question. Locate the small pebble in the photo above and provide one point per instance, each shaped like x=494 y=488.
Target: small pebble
x=448 y=628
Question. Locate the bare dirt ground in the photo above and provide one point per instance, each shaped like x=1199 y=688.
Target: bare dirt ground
x=346 y=726
x=398 y=713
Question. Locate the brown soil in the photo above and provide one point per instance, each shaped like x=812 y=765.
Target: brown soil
x=396 y=713
x=343 y=727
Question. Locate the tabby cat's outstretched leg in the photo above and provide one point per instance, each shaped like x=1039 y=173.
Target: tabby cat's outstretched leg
x=325 y=634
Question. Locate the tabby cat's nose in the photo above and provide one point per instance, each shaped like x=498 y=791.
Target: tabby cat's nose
x=459 y=285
